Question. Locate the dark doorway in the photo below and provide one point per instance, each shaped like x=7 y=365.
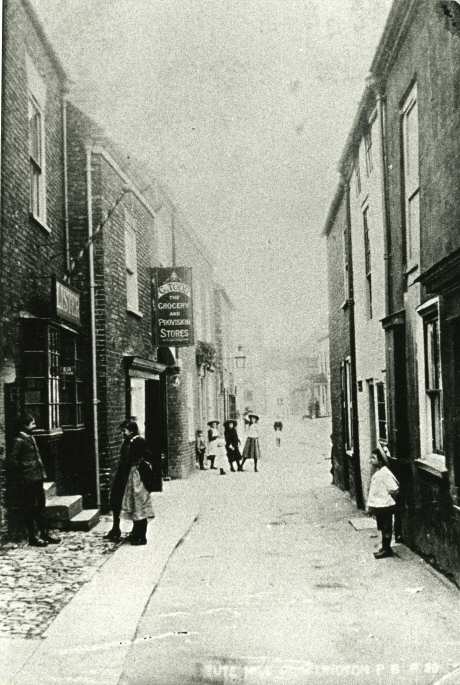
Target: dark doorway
x=155 y=427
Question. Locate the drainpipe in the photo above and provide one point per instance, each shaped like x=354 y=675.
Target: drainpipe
x=354 y=392
x=66 y=181
x=92 y=308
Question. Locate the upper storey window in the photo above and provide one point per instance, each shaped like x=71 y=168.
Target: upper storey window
x=36 y=89
x=411 y=177
x=132 y=290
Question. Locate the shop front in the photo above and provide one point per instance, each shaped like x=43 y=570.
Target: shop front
x=52 y=382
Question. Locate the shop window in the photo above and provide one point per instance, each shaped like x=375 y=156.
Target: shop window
x=71 y=384
x=52 y=376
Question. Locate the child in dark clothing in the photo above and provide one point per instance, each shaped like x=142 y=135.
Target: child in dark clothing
x=200 y=449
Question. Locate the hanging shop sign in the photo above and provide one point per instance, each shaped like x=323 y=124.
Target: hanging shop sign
x=67 y=302
x=173 y=306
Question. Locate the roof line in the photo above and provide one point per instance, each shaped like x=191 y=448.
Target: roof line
x=44 y=38
x=396 y=22
x=334 y=207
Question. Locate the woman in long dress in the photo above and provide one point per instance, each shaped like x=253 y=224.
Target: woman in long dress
x=213 y=436
x=232 y=443
x=251 y=446
x=136 y=504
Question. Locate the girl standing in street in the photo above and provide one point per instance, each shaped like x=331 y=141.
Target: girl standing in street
x=29 y=474
x=136 y=504
x=251 y=447
x=213 y=434
x=232 y=443
x=381 y=501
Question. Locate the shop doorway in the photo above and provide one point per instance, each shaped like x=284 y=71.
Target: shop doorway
x=156 y=428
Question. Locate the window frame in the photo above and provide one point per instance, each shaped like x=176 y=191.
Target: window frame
x=367 y=261
x=37 y=176
x=358 y=184
x=346 y=263
x=347 y=404
x=432 y=361
x=410 y=180
x=36 y=106
x=431 y=451
x=381 y=403
x=131 y=267
x=42 y=353
x=368 y=150
x=74 y=379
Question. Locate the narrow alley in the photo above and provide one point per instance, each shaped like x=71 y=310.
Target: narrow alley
x=274 y=585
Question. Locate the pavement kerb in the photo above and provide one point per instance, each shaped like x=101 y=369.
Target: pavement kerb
x=405 y=553
x=101 y=620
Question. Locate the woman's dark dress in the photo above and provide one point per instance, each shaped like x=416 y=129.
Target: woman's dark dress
x=232 y=440
x=131 y=453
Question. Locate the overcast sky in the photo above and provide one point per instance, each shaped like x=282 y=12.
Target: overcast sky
x=242 y=107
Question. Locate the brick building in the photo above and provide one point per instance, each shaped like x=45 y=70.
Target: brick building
x=83 y=228
x=115 y=277
x=44 y=355
x=193 y=392
x=410 y=100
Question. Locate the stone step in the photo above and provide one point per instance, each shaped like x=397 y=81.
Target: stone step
x=85 y=520
x=50 y=489
x=60 y=509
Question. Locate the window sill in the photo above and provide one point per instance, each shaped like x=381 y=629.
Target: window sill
x=135 y=313
x=55 y=432
x=410 y=269
x=40 y=222
x=73 y=429
x=432 y=467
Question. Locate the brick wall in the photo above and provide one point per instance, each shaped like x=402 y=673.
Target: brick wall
x=30 y=253
x=119 y=332
x=339 y=344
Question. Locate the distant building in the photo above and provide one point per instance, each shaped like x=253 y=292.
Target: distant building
x=249 y=380
x=224 y=354
x=277 y=390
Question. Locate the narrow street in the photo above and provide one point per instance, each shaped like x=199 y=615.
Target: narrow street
x=273 y=585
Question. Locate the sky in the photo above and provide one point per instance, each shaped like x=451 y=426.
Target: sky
x=242 y=107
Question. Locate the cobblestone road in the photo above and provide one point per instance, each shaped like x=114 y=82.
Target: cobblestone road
x=36 y=583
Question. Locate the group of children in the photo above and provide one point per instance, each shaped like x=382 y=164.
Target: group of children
x=221 y=449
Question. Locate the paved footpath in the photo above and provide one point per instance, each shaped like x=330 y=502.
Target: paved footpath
x=273 y=585
x=89 y=638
